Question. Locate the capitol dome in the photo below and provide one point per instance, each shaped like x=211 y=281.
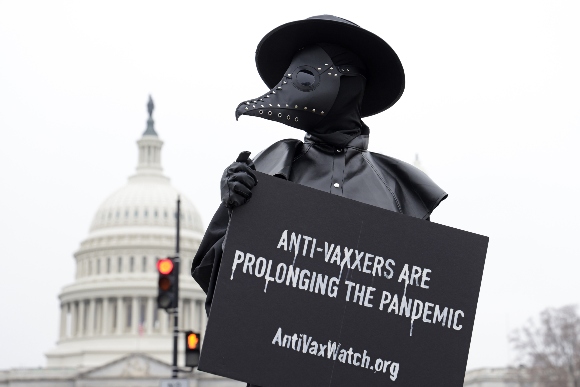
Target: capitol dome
x=110 y=310
x=145 y=201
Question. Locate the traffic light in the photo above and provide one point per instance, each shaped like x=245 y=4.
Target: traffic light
x=192 y=343
x=166 y=298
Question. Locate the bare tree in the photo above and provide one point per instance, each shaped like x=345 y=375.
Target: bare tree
x=549 y=347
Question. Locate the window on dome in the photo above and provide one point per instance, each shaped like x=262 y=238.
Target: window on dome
x=131 y=265
x=126 y=213
x=120 y=265
x=136 y=213
x=117 y=214
x=155 y=213
x=90 y=267
x=145 y=213
x=165 y=214
x=108 y=265
x=144 y=264
x=98 y=266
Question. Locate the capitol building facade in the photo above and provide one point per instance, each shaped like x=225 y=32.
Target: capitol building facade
x=111 y=309
x=111 y=331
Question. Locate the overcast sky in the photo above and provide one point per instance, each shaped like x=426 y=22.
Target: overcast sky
x=491 y=106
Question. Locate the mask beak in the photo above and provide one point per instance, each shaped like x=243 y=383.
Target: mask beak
x=242 y=107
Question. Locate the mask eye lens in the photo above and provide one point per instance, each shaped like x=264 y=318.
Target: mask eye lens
x=305 y=78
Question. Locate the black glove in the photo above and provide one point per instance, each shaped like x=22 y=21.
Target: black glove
x=237 y=181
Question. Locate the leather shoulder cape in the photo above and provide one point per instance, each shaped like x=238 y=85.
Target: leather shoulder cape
x=414 y=190
x=416 y=194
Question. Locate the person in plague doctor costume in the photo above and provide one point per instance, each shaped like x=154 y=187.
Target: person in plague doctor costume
x=324 y=74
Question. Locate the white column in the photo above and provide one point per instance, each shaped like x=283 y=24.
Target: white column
x=81 y=326
x=149 y=316
x=120 y=319
x=170 y=320
x=91 y=317
x=73 y=319
x=98 y=319
x=197 y=315
x=134 y=314
x=68 y=321
x=190 y=307
x=185 y=315
x=192 y=314
x=62 y=321
x=181 y=314
x=105 y=317
x=163 y=321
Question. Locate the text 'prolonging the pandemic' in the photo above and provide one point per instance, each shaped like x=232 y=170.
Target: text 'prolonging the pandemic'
x=345 y=259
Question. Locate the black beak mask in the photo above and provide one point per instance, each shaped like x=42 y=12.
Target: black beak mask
x=320 y=93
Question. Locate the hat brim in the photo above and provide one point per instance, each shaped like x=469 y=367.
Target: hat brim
x=384 y=71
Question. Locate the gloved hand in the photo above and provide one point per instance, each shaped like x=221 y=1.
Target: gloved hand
x=237 y=181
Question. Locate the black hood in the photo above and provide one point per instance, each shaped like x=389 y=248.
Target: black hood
x=321 y=93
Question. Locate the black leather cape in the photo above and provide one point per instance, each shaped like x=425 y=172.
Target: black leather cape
x=351 y=171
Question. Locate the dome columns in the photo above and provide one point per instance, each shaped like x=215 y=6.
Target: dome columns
x=119 y=316
x=149 y=155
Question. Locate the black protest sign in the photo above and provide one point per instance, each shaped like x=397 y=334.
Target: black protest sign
x=319 y=290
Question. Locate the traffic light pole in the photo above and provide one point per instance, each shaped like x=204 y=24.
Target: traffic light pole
x=177 y=261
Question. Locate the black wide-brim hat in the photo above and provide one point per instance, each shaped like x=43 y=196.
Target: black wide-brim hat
x=384 y=71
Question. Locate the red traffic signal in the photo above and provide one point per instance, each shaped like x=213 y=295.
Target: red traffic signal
x=165 y=266
x=167 y=289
